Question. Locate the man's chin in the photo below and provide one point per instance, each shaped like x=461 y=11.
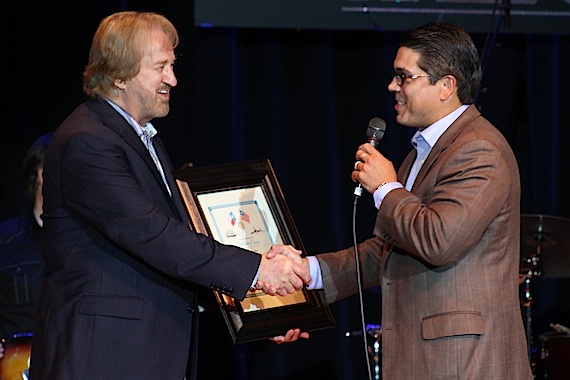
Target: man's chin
x=162 y=112
x=400 y=119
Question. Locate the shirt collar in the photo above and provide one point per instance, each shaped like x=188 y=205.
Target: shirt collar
x=147 y=129
x=432 y=133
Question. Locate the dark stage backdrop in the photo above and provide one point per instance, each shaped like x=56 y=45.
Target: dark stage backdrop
x=301 y=98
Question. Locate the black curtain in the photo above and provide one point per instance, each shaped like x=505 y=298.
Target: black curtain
x=303 y=99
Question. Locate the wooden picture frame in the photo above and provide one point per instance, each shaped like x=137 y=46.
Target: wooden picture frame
x=242 y=204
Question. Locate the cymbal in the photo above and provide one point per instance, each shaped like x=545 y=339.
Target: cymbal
x=549 y=235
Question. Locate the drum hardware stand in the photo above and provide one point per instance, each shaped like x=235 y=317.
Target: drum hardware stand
x=534 y=271
x=545 y=237
x=375 y=349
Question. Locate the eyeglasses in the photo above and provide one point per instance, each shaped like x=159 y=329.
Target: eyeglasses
x=401 y=77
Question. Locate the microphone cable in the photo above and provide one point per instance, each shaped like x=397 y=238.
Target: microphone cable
x=360 y=290
x=374 y=133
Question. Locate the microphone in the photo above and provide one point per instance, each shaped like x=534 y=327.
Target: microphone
x=374 y=133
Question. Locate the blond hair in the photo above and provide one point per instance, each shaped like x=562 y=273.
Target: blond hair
x=117 y=49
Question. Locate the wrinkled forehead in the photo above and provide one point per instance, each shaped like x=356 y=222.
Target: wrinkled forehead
x=155 y=43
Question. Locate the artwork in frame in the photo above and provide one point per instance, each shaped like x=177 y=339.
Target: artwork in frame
x=242 y=204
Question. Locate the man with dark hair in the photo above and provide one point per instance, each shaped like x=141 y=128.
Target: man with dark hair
x=447 y=233
x=21 y=263
x=21 y=266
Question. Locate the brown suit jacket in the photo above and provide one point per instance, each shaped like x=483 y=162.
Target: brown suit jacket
x=446 y=256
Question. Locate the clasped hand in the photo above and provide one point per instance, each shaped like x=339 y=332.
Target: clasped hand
x=277 y=254
x=281 y=271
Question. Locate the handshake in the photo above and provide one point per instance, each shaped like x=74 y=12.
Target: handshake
x=282 y=271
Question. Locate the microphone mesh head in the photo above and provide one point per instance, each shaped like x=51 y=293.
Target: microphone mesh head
x=375 y=130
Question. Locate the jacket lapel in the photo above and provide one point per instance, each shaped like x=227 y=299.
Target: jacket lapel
x=442 y=143
x=406 y=167
x=113 y=120
x=176 y=199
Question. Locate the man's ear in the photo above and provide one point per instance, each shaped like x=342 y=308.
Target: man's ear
x=449 y=86
x=120 y=84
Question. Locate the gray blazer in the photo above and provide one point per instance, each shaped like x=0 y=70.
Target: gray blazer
x=446 y=256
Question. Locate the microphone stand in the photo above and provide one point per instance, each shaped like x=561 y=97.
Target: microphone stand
x=504 y=15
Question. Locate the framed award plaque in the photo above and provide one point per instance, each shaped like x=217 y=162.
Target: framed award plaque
x=242 y=204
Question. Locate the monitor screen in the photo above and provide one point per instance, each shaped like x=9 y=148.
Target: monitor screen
x=515 y=16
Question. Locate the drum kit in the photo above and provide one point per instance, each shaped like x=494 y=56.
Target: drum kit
x=545 y=253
